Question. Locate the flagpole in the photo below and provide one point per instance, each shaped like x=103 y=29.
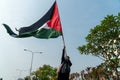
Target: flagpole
x=63 y=37
x=64 y=43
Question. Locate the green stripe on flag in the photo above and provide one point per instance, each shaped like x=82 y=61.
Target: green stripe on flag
x=47 y=33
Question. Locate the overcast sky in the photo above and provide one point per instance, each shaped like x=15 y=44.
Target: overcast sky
x=77 y=17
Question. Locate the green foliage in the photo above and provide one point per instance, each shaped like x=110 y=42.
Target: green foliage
x=103 y=41
x=27 y=78
x=46 y=72
x=101 y=38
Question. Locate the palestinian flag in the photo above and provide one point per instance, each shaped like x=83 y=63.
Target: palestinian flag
x=49 y=26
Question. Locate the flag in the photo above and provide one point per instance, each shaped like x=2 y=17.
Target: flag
x=49 y=26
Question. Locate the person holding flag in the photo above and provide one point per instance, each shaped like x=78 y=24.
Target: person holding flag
x=49 y=26
x=64 y=71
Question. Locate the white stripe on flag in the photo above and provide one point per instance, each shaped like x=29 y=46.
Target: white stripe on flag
x=45 y=26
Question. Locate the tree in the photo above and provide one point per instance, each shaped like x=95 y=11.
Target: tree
x=46 y=73
x=74 y=76
x=103 y=41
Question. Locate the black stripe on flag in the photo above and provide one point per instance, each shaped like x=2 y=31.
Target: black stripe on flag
x=39 y=23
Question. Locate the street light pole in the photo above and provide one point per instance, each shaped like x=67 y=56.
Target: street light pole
x=31 y=63
x=31 y=59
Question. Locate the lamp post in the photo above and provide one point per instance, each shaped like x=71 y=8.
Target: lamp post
x=32 y=59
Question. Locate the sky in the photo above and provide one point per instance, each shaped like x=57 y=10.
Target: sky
x=77 y=18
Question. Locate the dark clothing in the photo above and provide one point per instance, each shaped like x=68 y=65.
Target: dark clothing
x=64 y=76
